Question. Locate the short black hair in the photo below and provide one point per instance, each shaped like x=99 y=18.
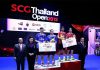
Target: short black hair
x=31 y=37
x=51 y=29
x=41 y=28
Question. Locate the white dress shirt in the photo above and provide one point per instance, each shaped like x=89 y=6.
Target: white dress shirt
x=20 y=47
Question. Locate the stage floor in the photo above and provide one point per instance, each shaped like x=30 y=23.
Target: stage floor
x=92 y=62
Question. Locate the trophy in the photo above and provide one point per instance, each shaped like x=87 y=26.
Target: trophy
x=64 y=57
x=72 y=57
x=59 y=59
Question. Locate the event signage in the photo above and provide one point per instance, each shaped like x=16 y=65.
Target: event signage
x=31 y=26
x=37 y=14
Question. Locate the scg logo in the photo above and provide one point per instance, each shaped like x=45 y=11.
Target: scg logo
x=20 y=8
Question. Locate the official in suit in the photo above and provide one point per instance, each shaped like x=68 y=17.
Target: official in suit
x=69 y=35
x=82 y=52
x=20 y=53
x=31 y=52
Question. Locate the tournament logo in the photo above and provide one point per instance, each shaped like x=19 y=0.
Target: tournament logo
x=37 y=14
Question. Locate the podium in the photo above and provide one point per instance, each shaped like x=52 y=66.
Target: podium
x=63 y=65
x=71 y=65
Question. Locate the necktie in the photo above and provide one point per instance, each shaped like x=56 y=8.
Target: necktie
x=20 y=47
x=83 y=44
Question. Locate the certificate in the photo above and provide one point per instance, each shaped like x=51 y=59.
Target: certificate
x=47 y=47
x=69 y=42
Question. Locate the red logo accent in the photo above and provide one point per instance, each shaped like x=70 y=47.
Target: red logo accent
x=20 y=8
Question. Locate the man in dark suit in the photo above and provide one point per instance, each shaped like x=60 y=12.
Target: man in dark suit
x=20 y=53
x=82 y=52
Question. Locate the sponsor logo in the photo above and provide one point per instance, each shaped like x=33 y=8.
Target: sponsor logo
x=37 y=14
x=27 y=24
x=25 y=28
x=19 y=28
x=21 y=23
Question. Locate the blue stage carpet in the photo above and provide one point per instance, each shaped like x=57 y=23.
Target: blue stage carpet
x=92 y=62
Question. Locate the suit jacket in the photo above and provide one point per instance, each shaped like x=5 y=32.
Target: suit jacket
x=32 y=49
x=82 y=49
x=19 y=53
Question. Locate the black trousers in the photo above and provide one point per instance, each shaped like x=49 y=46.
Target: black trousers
x=20 y=63
x=82 y=58
x=31 y=62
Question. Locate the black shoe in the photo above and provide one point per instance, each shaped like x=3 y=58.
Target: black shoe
x=83 y=69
